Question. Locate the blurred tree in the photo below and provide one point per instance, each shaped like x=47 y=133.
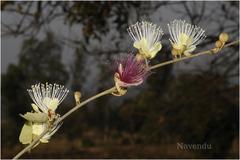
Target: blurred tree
x=116 y=17
x=76 y=70
x=170 y=108
x=193 y=115
x=39 y=62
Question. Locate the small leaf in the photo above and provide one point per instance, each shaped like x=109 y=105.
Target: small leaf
x=26 y=133
x=35 y=117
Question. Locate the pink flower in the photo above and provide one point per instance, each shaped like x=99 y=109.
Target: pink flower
x=130 y=71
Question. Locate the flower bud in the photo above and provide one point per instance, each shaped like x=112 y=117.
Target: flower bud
x=223 y=37
x=215 y=50
x=77 y=96
x=218 y=44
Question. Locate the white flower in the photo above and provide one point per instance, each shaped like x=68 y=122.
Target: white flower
x=146 y=38
x=184 y=37
x=46 y=98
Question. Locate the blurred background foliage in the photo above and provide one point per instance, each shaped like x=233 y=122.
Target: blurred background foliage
x=191 y=106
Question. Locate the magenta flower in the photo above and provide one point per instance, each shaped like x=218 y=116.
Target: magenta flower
x=130 y=71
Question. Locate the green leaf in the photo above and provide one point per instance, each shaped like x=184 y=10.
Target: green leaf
x=26 y=133
x=35 y=117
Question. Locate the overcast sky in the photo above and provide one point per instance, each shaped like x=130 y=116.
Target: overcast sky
x=10 y=46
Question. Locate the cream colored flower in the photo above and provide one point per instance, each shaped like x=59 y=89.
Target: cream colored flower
x=146 y=38
x=46 y=99
x=184 y=37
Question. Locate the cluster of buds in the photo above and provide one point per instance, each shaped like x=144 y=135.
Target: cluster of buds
x=223 y=38
x=46 y=98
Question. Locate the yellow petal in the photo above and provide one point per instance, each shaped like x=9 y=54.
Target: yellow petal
x=35 y=107
x=140 y=44
x=38 y=128
x=26 y=133
x=183 y=38
x=180 y=48
x=177 y=46
x=157 y=47
x=53 y=104
x=46 y=101
x=189 y=41
x=36 y=117
x=136 y=44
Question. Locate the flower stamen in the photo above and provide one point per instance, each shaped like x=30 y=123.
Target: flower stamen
x=184 y=37
x=146 y=37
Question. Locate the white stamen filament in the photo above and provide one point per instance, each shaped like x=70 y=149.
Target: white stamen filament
x=146 y=30
x=178 y=27
x=40 y=91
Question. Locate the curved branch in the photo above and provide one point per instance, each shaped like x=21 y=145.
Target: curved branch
x=108 y=91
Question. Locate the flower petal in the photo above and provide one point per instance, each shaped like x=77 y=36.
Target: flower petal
x=38 y=128
x=183 y=39
x=156 y=48
x=53 y=104
x=35 y=107
x=26 y=133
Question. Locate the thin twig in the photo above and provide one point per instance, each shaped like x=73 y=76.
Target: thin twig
x=29 y=147
x=191 y=56
x=108 y=91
